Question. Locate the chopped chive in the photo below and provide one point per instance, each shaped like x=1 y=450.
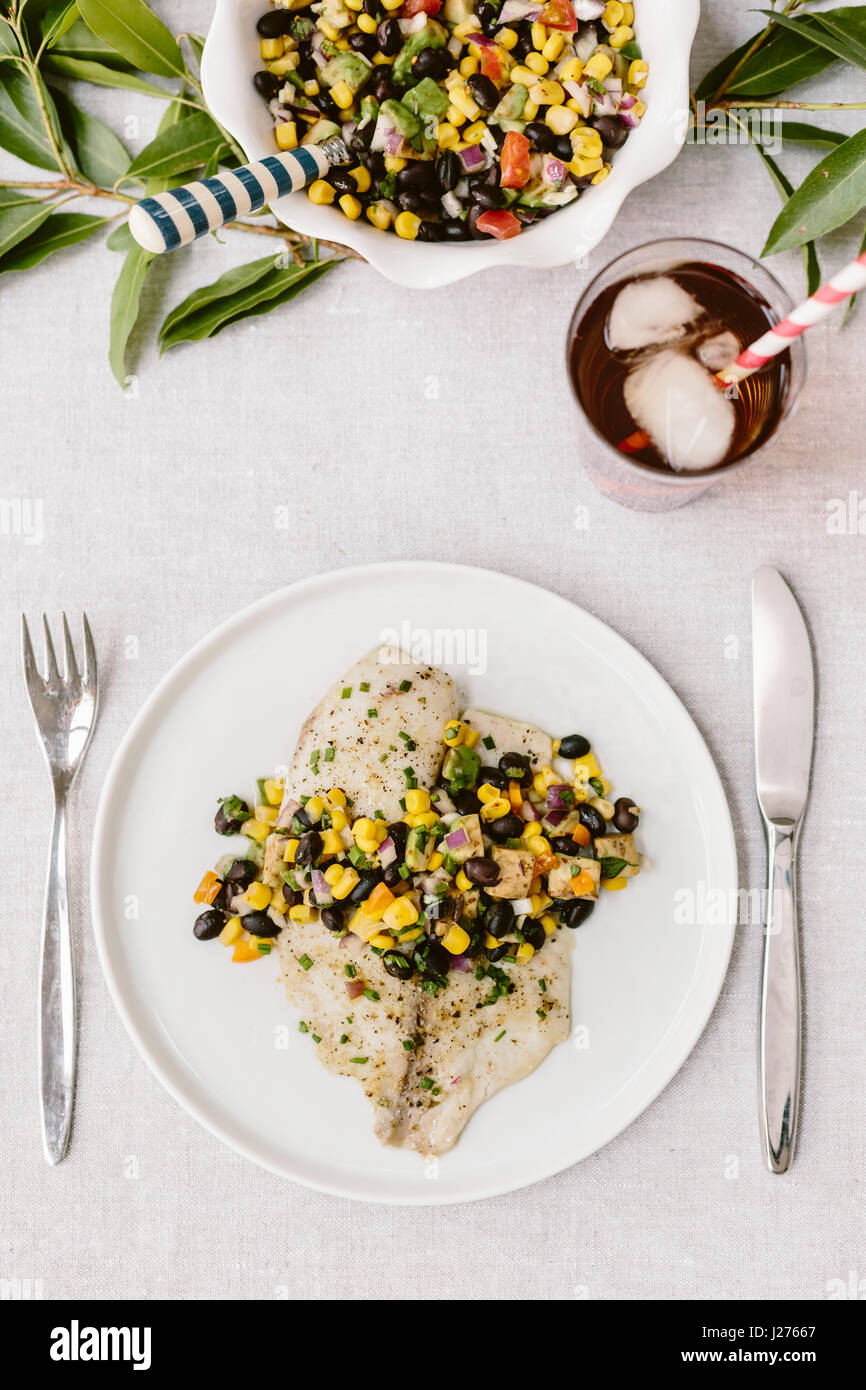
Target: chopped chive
x=427 y=1083
x=329 y=755
x=409 y=1044
x=405 y=685
x=347 y=690
x=304 y=961
x=404 y=871
x=371 y=994
x=383 y=757
x=344 y=1037
x=541 y=1013
x=542 y=985
x=489 y=741
x=499 y=1036
x=372 y=714
x=302 y=1027
x=365 y=686
x=359 y=1061
x=437 y=1090
x=315 y=1037
x=351 y=971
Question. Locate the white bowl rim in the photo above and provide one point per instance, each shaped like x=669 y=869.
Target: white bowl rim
x=666 y=30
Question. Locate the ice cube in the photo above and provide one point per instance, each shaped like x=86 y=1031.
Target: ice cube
x=690 y=421
x=650 y=312
x=719 y=351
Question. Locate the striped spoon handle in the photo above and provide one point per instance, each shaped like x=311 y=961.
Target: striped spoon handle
x=168 y=220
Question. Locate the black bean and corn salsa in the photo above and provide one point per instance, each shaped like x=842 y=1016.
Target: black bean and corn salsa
x=488 y=863
x=468 y=119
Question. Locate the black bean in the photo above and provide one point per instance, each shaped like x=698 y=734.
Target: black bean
x=266 y=84
x=454 y=230
x=259 y=924
x=242 y=872
x=624 y=817
x=374 y=162
x=431 y=62
x=342 y=180
x=430 y=231
x=500 y=919
x=392 y=877
x=399 y=833
x=540 y=136
x=575 y=913
x=592 y=819
x=466 y=801
x=574 y=746
x=433 y=957
x=365 y=885
x=486 y=16
x=223 y=900
x=333 y=918
x=382 y=84
x=411 y=201
x=563 y=844
x=398 y=965
x=293 y=896
x=389 y=37
x=417 y=174
x=306 y=68
x=612 y=131
x=360 y=139
x=534 y=933
x=516 y=767
x=483 y=90
x=508 y=827
x=303 y=819
x=372 y=8
x=563 y=148
x=364 y=43
x=449 y=171
x=481 y=870
x=476 y=941
x=309 y=848
x=275 y=23
x=229 y=822
x=495 y=953
x=443 y=907
x=209 y=925
x=522 y=47
x=493 y=777
x=475 y=211
x=329 y=108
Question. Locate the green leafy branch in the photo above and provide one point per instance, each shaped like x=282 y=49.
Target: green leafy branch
x=122 y=44
x=796 y=45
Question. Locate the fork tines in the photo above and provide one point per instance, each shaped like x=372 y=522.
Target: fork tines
x=53 y=678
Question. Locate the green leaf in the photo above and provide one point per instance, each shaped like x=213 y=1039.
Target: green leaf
x=19 y=220
x=133 y=30
x=799 y=133
x=838 y=40
x=22 y=131
x=828 y=197
x=174 y=113
x=48 y=20
x=125 y=304
x=97 y=151
x=121 y=239
x=83 y=70
x=60 y=230
x=182 y=146
x=12 y=198
x=79 y=42
x=8 y=41
x=786 y=189
x=612 y=867
x=784 y=60
x=716 y=76
x=239 y=294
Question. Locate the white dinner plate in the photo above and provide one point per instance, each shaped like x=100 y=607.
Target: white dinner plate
x=224 y=1040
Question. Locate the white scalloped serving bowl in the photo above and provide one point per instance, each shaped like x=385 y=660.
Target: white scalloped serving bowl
x=665 y=30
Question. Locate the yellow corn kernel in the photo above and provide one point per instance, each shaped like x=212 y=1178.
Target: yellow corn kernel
x=339 y=819
x=532 y=827
x=368 y=846
x=524 y=953
x=271 y=49
x=586 y=143
x=314 y=807
x=639 y=110
x=547 y=92
x=637 y=73
x=621 y=36
x=394 y=163
x=561 y=119
x=573 y=71
x=258 y=895
x=490 y=942
x=507 y=38
x=581 y=167
x=523 y=75
x=454 y=733
x=468 y=65
x=425 y=818
x=530 y=110
x=462 y=31
x=465 y=102
x=302 y=914
x=447 y=136
x=290 y=851
x=538 y=34
x=328 y=30
x=311 y=87
x=614 y=885
x=380 y=216
x=417 y=800
x=402 y=912
x=604 y=807
x=473 y=133
x=381 y=941
x=470 y=735
x=411 y=935
x=362 y=183
x=612 y=16
x=494 y=810
x=350 y=207
x=587 y=767
x=364 y=828
x=540 y=903
x=487 y=792
x=342 y=94
x=255 y=830
x=336 y=796
x=598 y=66
x=355 y=5
x=332 y=843
x=406 y=225
x=231 y=931
x=536 y=64
x=391 y=4
x=287 y=63
x=553 y=46
x=279 y=905
x=286 y=135
x=436 y=862
x=538 y=845
x=463 y=882
x=266 y=814
x=549 y=924
x=380 y=59
x=273 y=788
x=628 y=13
x=334 y=873
x=321 y=192
x=345 y=883
x=602 y=175
x=456 y=940
x=455 y=116
x=367 y=24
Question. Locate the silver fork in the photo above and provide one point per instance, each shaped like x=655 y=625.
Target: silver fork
x=64 y=708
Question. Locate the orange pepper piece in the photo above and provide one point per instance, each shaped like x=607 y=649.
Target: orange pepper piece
x=378 y=900
x=545 y=862
x=244 y=951
x=515 y=796
x=208 y=888
x=581 y=835
x=583 y=883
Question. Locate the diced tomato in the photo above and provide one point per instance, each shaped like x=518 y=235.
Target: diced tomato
x=558 y=14
x=411 y=7
x=499 y=223
x=491 y=65
x=514 y=160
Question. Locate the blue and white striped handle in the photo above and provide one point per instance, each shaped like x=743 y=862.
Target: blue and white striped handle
x=168 y=220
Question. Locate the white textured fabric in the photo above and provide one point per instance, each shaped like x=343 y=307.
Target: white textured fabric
x=375 y=414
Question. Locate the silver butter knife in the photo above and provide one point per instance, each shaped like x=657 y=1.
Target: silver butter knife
x=784 y=697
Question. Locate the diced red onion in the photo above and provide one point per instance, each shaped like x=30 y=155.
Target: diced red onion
x=287 y=811
x=588 y=9
x=455 y=47
x=461 y=963
x=519 y=9
x=480 y=40
x=319 y=59
x=456 y=839
x=628 y=102
x=452 y=206
x=555 y=816
x=553 y=171
x=586 y=44
x=355 y=988
x=556 y=797
x=613 y=85
x=472 y=158
x=322 y=889
x=606 y=105
x=412 y=25
x=348 y=130
x=581 y=94
x=529 y=811
x=387 y=852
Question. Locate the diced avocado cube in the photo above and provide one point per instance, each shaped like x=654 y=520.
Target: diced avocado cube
x=511 y=106
x=419 y=848
x=350 y=68
x=426 y=99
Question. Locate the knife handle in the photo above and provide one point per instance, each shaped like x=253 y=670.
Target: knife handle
x=780 y=1000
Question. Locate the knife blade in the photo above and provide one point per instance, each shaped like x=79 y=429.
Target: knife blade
x=784 y=709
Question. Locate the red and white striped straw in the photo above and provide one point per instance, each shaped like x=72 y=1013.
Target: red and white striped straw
x=849 y=281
